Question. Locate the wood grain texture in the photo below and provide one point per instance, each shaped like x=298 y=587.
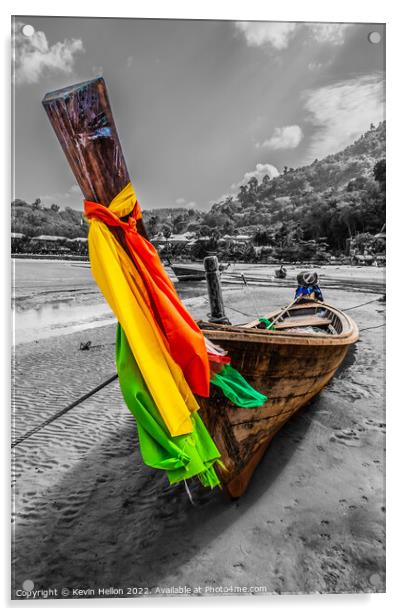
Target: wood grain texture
x=290 y=368
x=81 y=116
x=212 y=275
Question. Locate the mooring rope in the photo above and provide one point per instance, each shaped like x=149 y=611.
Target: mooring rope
x=371 y=301
x=62 y=412
x=246 y=314
x=372 y=327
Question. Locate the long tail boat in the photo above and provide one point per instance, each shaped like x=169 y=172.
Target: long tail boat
x=191 y=271
x=188 y=272
x=290 y=364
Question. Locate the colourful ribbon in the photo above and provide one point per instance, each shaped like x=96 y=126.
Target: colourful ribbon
x=126 y=293
x=237 y=389
x=184 y=339
x=181 y=457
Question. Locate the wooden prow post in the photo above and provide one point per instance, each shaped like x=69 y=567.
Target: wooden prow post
x=82 y=119
x=217 y=314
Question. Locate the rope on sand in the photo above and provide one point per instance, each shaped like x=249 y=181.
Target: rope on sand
x=372 y=327
x=371 y=301
x=62 y=412
x=246 y=314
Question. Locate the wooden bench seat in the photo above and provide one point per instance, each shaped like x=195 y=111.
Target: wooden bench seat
x=310 y=320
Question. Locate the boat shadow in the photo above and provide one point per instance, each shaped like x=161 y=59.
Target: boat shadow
x=121 y=524
x=350 y=359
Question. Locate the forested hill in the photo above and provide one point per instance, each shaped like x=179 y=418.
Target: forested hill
x=33 y=219
x=330 y=200
x=336 y=197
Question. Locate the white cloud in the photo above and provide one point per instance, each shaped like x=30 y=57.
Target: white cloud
x=340 y=112
x=73 y=197
x=33 y=56
x=264 y=33
x=284 y=138
x=223 y=197
x=184 y=203
x=97 y=71
x=279 y=34
x=259 y=172
x=333 y=34
x=314 y=66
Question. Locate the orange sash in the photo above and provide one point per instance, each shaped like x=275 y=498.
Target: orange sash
x=185 y=340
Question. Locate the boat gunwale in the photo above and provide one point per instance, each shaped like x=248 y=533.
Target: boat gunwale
x=349 y=335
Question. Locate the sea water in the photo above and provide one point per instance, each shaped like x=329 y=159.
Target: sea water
x=52 y=298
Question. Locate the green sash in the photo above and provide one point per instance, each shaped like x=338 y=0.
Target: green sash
x=182 y=456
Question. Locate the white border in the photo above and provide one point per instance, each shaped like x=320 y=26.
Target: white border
x=293 y=10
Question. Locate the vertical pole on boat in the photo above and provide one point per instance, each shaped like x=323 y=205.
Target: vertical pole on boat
x=82 y=119
x=217 y=314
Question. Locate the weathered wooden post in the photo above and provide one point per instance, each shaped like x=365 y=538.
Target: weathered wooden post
x=217 y=315
x=82 y=119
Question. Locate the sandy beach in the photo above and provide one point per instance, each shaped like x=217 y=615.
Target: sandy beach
x=88 y=514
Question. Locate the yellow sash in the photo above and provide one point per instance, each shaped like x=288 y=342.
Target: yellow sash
x=125 y=293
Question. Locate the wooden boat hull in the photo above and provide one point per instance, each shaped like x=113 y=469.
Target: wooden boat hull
x=184 y=272
x=289 y=368
x=192 y=272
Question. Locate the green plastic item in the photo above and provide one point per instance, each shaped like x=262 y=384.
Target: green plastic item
x=236 y=388
x=182 y=457
x=268 y=324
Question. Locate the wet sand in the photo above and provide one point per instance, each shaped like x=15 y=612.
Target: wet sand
x=88 y=514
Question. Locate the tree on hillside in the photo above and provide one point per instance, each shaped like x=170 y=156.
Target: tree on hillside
x=167 y=231
x=228 y=228
x=152 y=225
x=379 y=173
x=346 y=215
x=243 y=195
x=252 y=185
x=262 y=237
x=204 y=231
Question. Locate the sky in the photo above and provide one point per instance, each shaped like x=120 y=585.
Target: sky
x=200 y=106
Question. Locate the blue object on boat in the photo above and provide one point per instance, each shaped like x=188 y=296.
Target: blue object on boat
x=314 y=289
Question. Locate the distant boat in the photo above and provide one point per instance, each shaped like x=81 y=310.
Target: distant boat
x=281 y=272
x=192 y=271
x=362 y=259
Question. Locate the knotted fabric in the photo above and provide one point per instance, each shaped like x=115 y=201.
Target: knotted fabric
x=126 y=291
x=183 y=337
